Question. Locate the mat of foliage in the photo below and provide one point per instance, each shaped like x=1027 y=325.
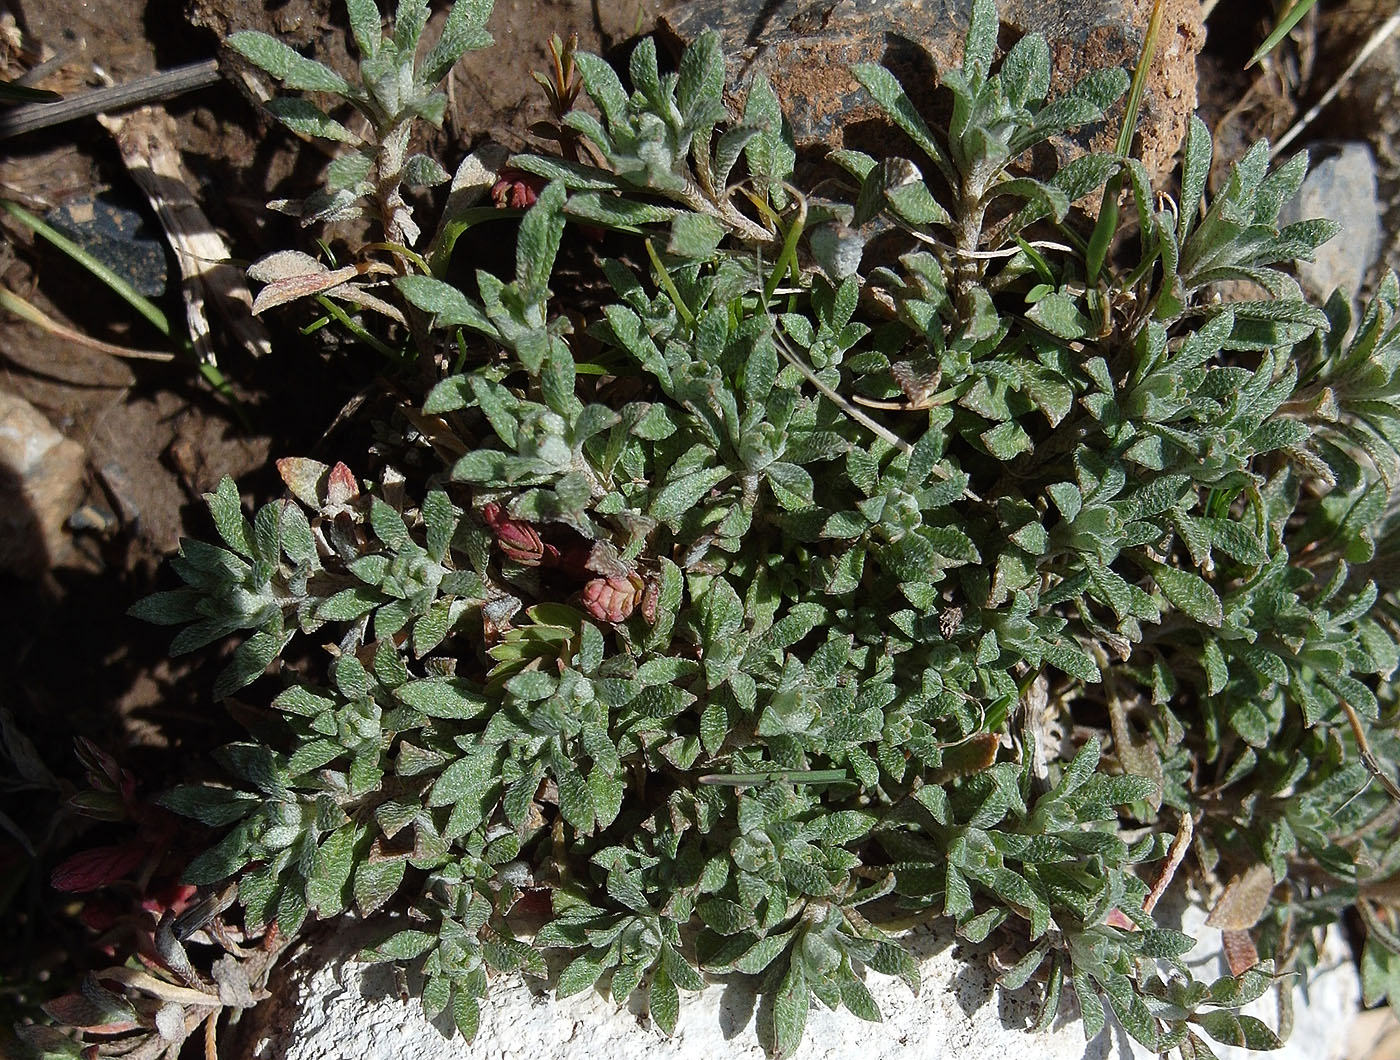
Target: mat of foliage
x=785 y=594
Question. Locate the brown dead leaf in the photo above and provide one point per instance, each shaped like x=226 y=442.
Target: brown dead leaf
x=1244 y=900
x=1240 y=952
x=972 y=755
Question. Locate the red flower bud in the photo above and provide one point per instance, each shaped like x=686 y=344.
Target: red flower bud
x=172 y=897
x=613 y=599
x=518 y=541
x=88 y=870
x=516 y=189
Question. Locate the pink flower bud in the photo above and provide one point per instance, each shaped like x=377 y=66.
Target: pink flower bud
x=613 y=599
x=516 y=540
x=516 y=189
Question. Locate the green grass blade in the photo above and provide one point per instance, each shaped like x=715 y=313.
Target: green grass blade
x=1285 y=26
x=1108 y=213
x=129 y=294
x=357 y=330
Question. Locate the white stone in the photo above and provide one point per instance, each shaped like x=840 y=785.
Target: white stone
x=344 y=1011
x=41 y=481
x=1342 y=186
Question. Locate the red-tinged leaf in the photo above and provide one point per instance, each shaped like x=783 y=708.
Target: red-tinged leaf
x=290 y=288
x=100 y=764
x=78 y=1010
x=100 y=916
x=1240 y=952
x=1119 y=919
x=306 y=478
x=89 y=869
x=341 y=487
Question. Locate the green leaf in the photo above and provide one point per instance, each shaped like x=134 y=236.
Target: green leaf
x=537 y=243
x=771 y=154
x=700 y=84
x=694 y=235
x=663 y=1001
x=403 y=946
x=293 y=70
x=227 y=509
x=365 y=26
x=304 y=117
x=1191 y=593
x=170 y=608
x=1197 y=152
x=790 y=1011
x=209 y=805
x=420 y=171
x=889 y=94
x=448 y=306
x=250 y=660
x=682 y=494
x=1025 y=72
x=462 y=32
x=1059 y=314
x=375 y=883
x=466 y=1013
x=581 y=973
x=220 y=861
x=330 y=871
x=442 y=697
x=980 y=45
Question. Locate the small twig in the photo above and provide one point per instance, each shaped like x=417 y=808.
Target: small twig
x=1378 y=38
x=982 y=255
x=33 y=116
x=836 y=399
x=796 y=776
x=1176 y=853
x=854 y=413
x=1368 y=757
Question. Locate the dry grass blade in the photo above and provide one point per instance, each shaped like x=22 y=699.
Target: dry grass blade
x=1382 y=33
x=1175 y=855
x=21 y=308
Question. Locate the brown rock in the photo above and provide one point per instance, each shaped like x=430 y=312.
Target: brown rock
x=806 y=50
x=41 y=481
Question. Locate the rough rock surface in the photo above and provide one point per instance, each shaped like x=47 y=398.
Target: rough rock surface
x=338 y=1011
x=806 y=48
x=1342 y=185
x=41 y=480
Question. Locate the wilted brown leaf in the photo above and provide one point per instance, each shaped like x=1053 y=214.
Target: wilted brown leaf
x=1244 y=900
